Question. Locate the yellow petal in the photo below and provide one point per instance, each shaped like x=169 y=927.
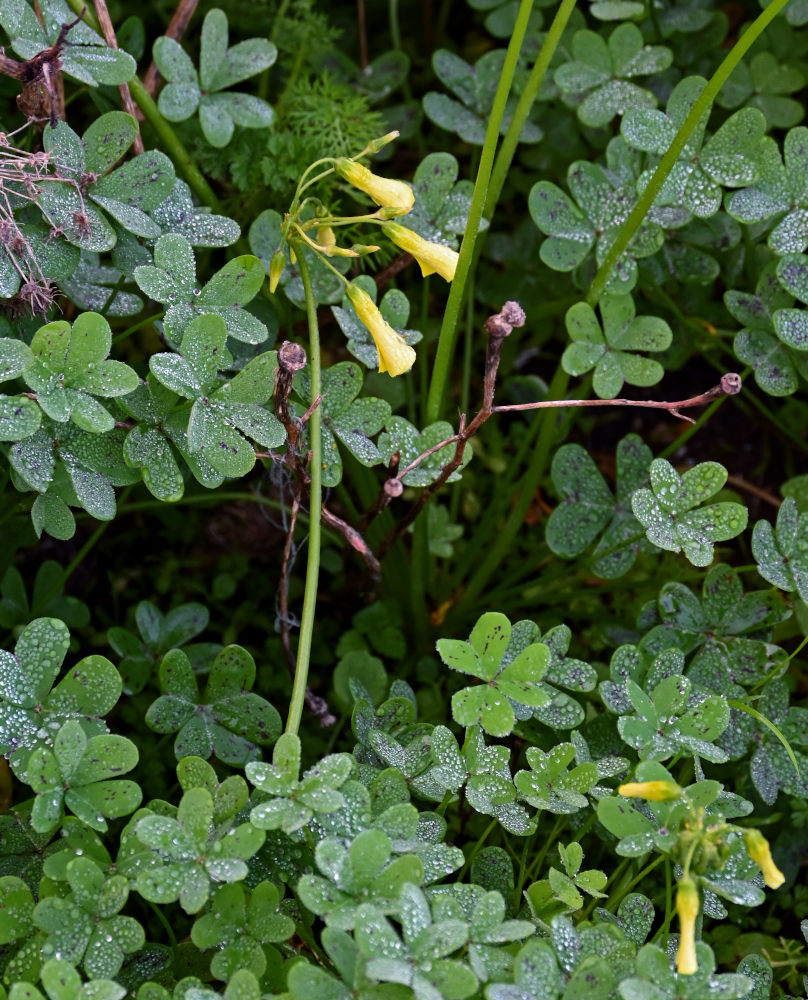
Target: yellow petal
x=759 y=851
x=395 y=355
x=433 y=257
x=655 y=791
x=687 y=909
x=388 y=193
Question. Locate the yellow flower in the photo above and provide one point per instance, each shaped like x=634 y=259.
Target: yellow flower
x=433 y=257
x=687 y=908
x=395 y=355
x=759 y=851
x=385 y=192
x=656 y=791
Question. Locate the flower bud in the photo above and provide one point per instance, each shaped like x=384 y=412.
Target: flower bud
x=687 y=909
x=759 y=851
x=276 y=266
x=376 y=144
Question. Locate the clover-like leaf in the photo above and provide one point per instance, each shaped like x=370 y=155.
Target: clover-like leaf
x=222 y=413
x=190 y=852
x=228 y=720
x=420 y=956
x=482 y=772
x=777 y=364
x=598 y=79
x=70 y=467
x=71 y=369
x=293 y=800
x=610 y=349
x=238 y=924
x=220 y=110
x=85 y=926
x=32 y=711
x=158 y=634
x=490 y=704
x=550 y=786
x=782 y=553
x=671 y=721
x=587 y=506
x=726 y=160
x=603 y=199
x=474 y=88
x=364 y=872
x=172 y=281
x=82 y=774
x=765 y=82
x=781 y=192
x=672 y=519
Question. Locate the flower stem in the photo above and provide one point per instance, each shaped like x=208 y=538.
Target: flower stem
x=315 y=504
x=668 y=161
x=511 y=139
x=451 y=317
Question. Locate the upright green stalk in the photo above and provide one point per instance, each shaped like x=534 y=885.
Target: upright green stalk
x=668 y=161
x=448 y=330
x=315 y=504
x=510 y=141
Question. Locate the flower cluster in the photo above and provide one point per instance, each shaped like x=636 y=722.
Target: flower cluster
x=701 y=841
x=394 y=198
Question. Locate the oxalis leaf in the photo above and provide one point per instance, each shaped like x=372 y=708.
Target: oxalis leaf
x=490 y=704
x=31 y=714
x=588 y=507
x=782 y=553
x=667 y=513
x=228 y=720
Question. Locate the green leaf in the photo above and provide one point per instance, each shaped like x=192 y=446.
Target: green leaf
x=782 y=553
x=666 y=511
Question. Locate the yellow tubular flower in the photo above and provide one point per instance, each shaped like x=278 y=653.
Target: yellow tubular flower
x=395 y=355
x=759 y=851
x=655 y=791
x=433 y=257
x=687 y=909
x=385 y=192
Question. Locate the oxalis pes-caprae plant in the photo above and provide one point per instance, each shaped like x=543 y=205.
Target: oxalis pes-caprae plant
x=541 y=740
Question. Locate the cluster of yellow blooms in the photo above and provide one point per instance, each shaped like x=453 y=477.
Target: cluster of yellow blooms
x=687 y=894
x=394 y=198
x=395 y=355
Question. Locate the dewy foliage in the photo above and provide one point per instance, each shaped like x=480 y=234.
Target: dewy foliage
x=564 y=740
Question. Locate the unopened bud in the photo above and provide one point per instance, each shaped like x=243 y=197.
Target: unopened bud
x=276 y=266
